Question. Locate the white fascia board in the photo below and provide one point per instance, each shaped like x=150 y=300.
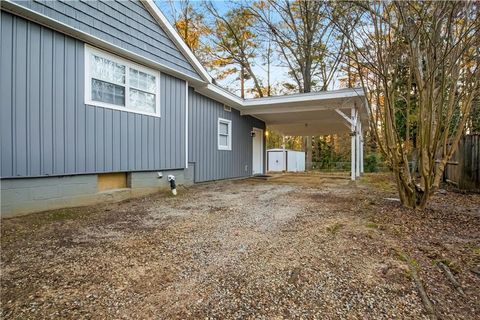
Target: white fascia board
x=168 y=28
x=278 y=104
x=221 y=95
x=265 y=109
x=56 y=25
x=186 y=124
x=232 y=98
x=305 y=97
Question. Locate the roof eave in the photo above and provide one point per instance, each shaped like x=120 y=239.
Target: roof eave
x=182 y=46
x=305 y=97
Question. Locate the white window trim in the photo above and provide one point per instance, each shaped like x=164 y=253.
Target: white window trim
x=227 y=108
x=89 y=50
x=229 y=123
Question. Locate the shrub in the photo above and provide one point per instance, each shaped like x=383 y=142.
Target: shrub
x=371 y=163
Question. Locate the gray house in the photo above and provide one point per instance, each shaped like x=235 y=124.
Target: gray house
x=102 y=100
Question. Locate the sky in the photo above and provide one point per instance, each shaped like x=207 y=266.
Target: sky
x=278 y=73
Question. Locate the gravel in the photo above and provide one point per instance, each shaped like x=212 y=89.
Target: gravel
x=300 y=246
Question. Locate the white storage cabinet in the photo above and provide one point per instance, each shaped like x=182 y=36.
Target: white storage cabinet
x=285 y=160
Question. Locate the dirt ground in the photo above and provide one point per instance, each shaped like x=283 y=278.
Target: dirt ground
x=299 y=246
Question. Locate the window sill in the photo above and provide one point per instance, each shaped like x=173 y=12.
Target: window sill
x=114 y=107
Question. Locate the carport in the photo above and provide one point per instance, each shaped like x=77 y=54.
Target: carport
x=319 y=113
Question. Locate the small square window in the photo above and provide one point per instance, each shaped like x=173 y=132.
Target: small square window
x=227 y=108
x=224 y=134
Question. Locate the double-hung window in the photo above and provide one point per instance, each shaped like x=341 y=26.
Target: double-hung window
x=224 y=134
x=116 y=83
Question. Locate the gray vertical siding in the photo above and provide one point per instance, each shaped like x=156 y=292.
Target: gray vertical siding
x=211 y=163
x=45 y=127
x=126 y=24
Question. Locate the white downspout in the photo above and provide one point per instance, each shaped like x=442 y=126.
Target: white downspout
x=357 y=141
x=352 y=127
x=186 y=124
x=361 y=149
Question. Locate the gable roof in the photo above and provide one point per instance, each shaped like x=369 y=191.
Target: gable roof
x=168 y=28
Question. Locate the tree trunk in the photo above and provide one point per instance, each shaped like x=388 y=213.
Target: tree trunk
x=268 y=67
x=242 y=82
x=411 y=195
x=257 y=85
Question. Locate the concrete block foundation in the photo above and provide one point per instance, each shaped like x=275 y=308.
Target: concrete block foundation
x=27 y=195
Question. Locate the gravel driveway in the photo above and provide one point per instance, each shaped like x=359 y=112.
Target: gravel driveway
x=294 y=247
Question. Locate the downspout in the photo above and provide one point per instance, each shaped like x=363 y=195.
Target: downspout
x=353 y=143
x=186 y=124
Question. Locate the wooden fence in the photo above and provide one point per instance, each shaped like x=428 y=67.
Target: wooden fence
x=463 y=169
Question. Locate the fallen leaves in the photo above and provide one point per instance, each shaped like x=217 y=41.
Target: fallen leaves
x=303 y=246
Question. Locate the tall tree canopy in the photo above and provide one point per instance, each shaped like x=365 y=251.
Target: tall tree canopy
x=190 y=25
x=235 y=44
x=306 y=40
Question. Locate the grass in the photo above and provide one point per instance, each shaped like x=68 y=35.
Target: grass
x=476 y=251
x=372 y=225
x=333 y=229
x=383 y=182
x=405 y=258
x=450 y=264
x=59 y=215
x=62 y=215
x=25 y=224
x=411 y=262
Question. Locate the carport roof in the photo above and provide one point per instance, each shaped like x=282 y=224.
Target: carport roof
x=306 y=114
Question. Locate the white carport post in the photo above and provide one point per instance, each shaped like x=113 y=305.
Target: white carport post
x=361 y=149
x=353 y=144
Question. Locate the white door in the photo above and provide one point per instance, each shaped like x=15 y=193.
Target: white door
x=292 y=161
x=257 y=161
x=275 y=161
x=301 y=161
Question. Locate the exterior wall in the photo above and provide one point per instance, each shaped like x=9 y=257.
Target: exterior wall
x=126 y=24
x=23 y=196
x=211 y=163
x=52 y=145
x=46 y=129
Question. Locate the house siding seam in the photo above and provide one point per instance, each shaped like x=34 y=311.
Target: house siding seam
x=211 y=163
x=127 y=24
x=46 y=129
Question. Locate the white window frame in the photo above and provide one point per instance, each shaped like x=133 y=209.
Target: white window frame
x=89 y=51
x=229 y=137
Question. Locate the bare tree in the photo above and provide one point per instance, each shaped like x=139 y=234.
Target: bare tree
x=190 y=25
x=236 y=43
x=306 y=41
x=182 y=17
x=438 y=44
